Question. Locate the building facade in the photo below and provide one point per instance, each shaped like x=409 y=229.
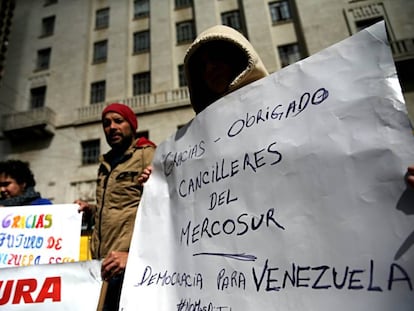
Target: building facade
x=6 y=17
x=67 y=59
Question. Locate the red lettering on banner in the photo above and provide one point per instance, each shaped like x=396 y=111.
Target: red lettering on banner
x=6 y=291
x=25 y=290
x=50 y=290
x=39 y=223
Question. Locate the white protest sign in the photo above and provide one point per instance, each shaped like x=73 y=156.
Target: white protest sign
x=288 y=194
x=55 y=287
x=39 y=234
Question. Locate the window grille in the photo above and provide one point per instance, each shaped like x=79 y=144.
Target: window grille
x=141 y=41
x=102 y=18
x=90 y=151
x=141 y=83
x=98 y=92
x=280 y=11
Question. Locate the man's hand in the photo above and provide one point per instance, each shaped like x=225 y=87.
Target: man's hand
x=83 y=206
x=114 y=264
x=145 y=175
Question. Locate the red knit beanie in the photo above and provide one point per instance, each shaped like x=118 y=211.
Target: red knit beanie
x=124 y=111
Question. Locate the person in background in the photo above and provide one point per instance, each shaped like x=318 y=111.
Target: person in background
x=17 y=185
x=118 y=194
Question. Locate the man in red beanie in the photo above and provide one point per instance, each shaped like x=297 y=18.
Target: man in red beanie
x=118 y=193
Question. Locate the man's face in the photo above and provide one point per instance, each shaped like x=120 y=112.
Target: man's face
x=118 y=131
x=217 y=74
x=9 y=188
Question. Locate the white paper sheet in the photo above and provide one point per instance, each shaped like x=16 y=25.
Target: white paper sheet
x=285 y=195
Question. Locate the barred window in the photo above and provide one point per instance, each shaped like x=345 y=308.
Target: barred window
x=50 y=2
x=48 y=26
x=141 y=41
x=289 y=54
x=181 y=76
x=141 y=8
x=98 y=92
x=43 y=59
x=102 y=18
x=37 y=97
x=232 y=19
x=185 y=32
x=143 y=134
x=100 y=51
x=141 y=83
x=90 y=151
x=280 y=11
x=364 y=23
x=183 y=3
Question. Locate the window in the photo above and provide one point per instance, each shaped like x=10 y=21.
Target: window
x=141 y=41
x=48 y=26
x=37 y=97
x=143 y=134
x=364 y=23
x=141 y=83
x=280 y=11
x=185 y=32
x=289 y=54
x=100 y=50
x=181 y=76
x=102 y=18
x=141 y=8
x=232 y=19
x=90 y=151
x=43 y=59
x=98 y=92
x=49 y=2
x=183 y=3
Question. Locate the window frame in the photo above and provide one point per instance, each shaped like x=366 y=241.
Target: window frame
x=285 y=55
x=48 y=26
x=91 y=150
x=181 y=4
x=141 y=83
x=278 y=10
x=38 y=97
x=43 y=59
x=102 y=18
x=100 y=47
x=142 y=134
x=185 y=31
x=182 y=80
x=141 y=8
x=364 y=23
x=141 y=37
x=228 y=18
x=97 y=92
x=49 y=2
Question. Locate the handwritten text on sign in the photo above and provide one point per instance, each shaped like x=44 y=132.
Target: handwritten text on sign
x=39 y=234
x=289 y=192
